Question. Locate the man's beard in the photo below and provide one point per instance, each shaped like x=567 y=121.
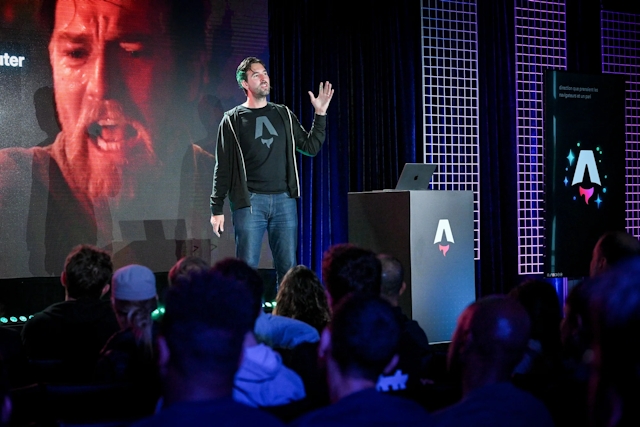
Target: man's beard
x=108 y=151
x=261 y=92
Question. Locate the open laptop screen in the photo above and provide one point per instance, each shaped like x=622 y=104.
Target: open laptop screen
x=415 y=176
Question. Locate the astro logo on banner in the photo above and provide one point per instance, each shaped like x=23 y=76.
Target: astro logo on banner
x=586 y=163
x=443 y=231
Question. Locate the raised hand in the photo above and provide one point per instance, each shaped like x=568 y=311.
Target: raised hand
x=321 y=102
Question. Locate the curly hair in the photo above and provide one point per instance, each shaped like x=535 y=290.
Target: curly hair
x=301 y=296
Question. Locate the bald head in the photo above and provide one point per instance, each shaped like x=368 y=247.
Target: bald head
x=490 y=339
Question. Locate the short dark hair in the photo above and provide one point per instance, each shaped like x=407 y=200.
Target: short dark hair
x=206 y=318
x=365 y=335
x=240 y=272
x=182 y=268
x=245 y=65
x=540 y=299
x=392 y=275
x=348 y=268
x=616 y=246
x=87 y=270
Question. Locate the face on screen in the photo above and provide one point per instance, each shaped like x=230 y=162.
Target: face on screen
x=113 y=69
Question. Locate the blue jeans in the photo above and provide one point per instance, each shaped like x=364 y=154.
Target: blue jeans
x=278 y=215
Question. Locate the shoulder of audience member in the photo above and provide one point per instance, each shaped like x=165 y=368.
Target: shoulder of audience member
x=284 y=332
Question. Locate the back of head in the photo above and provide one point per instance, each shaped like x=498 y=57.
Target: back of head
x=576 y=330
x=615 y=310
x=301 y=296
x=392 y=276
x=347 y=268
x=184 y=266
x=87 y=271
x=205 y=321
x=364 y=336
x=612 y=248
x=491 y=335
x=540 y=300
x=239 y=271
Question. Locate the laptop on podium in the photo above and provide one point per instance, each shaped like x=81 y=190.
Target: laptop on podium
x=416 y=176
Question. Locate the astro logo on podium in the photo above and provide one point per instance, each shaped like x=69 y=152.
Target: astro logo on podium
x=443 y=231
x=586 y=163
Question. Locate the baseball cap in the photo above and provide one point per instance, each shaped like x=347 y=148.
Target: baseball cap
x=133 y=283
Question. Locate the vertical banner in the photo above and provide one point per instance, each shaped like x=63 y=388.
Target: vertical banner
x=584 y=167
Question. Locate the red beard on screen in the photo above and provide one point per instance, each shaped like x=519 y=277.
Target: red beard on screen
x=108 y=151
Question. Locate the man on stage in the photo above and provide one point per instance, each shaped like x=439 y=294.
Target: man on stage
x=256 y=167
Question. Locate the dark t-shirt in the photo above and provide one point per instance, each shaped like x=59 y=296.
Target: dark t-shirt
x=495 y=405
x=72 y=332
x=367 y=408
x=220 y=413
x=263 y=143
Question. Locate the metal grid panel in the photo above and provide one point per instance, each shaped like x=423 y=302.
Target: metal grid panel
x=621 y=55
x=450 y=94
x=540 y=28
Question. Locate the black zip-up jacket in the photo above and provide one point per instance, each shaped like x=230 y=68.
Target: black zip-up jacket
x=230 y=176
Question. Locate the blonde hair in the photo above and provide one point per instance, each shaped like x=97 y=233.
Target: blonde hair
x=137 y=316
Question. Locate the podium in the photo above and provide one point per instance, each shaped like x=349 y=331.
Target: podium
x=431 y=233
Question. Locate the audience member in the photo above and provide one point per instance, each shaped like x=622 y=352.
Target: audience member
x=185 y=265
x=207 y=317
x=360 y=344
x=301 y=296
x=414 y=348
x=262 y=379
x=488 y=343
x=575 y=329
x=129 y=354
x=348 y=268
x=540 y=371
x=75 y=330
x=276 y=332
x=614 y=385
x=284 y=332
x=542 y=357
x=611 y=248
x=570 y=405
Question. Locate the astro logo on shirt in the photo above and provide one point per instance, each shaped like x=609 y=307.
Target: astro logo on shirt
x=263 y=125
x=443 y=231
x=586 y=163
